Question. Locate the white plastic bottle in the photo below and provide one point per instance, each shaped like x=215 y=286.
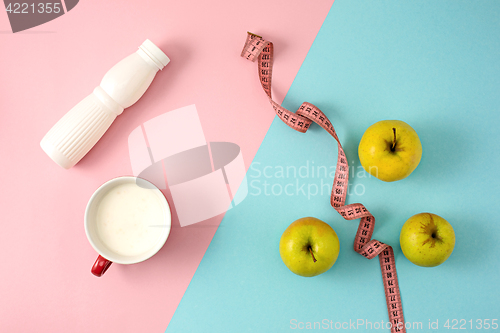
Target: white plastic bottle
x=80 y=129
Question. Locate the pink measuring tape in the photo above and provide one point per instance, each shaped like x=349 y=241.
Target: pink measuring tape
x=256 y=48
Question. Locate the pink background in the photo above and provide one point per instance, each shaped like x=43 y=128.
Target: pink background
x=44 y=71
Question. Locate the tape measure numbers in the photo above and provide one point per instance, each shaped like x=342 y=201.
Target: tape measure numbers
x=257 y=48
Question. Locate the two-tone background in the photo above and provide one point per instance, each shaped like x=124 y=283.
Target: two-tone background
x=435 y=65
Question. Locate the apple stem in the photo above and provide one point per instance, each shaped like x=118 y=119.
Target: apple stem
x=310 y=250
x=393 y=147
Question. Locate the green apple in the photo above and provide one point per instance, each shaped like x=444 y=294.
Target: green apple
x=427 y=239
x=309 y=247
x=390 y=150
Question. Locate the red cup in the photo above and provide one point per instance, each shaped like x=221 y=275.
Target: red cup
x=106 y=255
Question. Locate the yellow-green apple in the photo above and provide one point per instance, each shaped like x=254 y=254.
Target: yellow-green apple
x=309 y=247
x=427 y=239
x=390 y=150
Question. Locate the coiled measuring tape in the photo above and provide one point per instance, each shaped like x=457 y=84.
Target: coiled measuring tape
x=257 y=48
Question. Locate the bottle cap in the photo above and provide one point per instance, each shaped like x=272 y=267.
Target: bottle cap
x=154 y=52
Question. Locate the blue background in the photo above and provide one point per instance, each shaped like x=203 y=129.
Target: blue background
x=432 y=64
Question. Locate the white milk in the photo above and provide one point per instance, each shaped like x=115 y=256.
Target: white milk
x=127 y=219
